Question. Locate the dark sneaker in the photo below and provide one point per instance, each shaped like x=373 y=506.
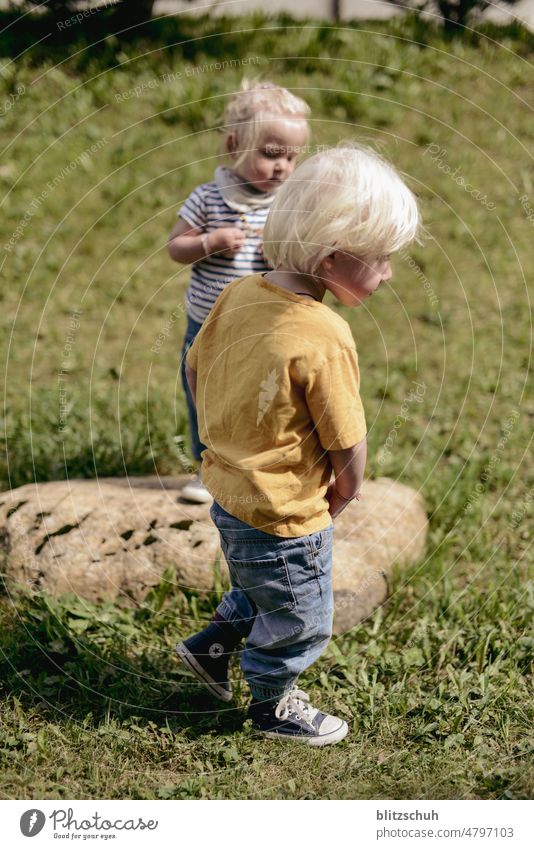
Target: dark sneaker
x=294 y=718
x=207 y=654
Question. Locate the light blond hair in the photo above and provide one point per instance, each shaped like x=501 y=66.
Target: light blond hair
x=255 y=105
x=346 y=198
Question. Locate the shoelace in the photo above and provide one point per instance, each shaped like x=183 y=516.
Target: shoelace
x=297 y=702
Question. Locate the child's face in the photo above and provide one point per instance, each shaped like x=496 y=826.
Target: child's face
x=351 y=279
x=275 y=158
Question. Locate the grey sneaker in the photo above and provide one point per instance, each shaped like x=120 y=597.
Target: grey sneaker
x=196 y=491
x=294 y=718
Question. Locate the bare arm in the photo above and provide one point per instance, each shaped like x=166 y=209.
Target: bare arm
x=185 y=242
x=191 y=377
x=349 y=467
x=189 y=244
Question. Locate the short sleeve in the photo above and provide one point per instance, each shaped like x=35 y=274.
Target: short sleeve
x=333 y=399
x=194 y=210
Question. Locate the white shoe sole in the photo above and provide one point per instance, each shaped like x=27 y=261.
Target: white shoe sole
x=323 y=740
x=194 y=495
x=192 y=664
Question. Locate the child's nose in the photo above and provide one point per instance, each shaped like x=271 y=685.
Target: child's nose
x=387 y=273
x=283 y=164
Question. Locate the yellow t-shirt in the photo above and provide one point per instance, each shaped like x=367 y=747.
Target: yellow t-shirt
x=277 y=388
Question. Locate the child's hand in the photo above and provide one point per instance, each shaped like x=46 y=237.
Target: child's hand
x=227 y=241
x=336 y=502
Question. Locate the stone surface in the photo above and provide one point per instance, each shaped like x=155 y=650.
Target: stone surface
x=386 y=529
x=113 y=538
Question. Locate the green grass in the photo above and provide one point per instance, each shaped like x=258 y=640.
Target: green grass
x=438 y=701
x=437 y=686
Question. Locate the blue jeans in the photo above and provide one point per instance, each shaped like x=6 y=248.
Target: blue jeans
x=281 y=600
x=193 y=327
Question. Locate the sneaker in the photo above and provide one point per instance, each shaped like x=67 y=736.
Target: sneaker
x=294 y=718
x=196 y=491
x=206 y=654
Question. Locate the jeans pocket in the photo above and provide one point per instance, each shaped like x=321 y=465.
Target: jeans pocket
x=321 y=552
x=266 y=583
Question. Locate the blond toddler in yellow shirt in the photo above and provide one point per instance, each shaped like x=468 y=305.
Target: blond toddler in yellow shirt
x=274 y=373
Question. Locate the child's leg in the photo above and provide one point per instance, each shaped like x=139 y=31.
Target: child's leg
x=234 y=607
x=207 y=653
x=289 y=583
x=193 y=328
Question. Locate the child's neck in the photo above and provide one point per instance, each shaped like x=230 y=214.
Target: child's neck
x=250 y=186
x=295 y=281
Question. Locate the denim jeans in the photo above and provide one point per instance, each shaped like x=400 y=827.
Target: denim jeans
x=193 y=327
x=281 y=600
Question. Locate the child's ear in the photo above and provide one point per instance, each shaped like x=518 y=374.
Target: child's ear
x=327 y=261
x=231 y=144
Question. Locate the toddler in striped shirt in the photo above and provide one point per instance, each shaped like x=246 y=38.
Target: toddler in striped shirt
x=220 y=225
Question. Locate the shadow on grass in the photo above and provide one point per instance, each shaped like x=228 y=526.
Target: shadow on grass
x=77 y=661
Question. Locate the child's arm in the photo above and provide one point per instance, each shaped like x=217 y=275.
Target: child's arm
x=189 y=244
x=185 y=242
x=349 y=467
x=333 y=398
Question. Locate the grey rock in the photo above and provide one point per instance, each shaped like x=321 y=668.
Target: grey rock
x=113 y=538
x=387 y=529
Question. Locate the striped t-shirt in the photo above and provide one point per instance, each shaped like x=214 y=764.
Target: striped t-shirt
x=206 y=209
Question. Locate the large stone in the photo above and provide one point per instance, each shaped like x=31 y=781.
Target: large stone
x=386 y=529
x=113 y=538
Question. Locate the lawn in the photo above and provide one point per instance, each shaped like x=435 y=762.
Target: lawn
x=100 y=146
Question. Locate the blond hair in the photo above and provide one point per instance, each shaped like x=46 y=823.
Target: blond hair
x=257 y=103
x=346 y=198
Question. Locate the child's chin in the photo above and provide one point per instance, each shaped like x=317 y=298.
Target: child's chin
x=267 y=186
x=349 y=300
